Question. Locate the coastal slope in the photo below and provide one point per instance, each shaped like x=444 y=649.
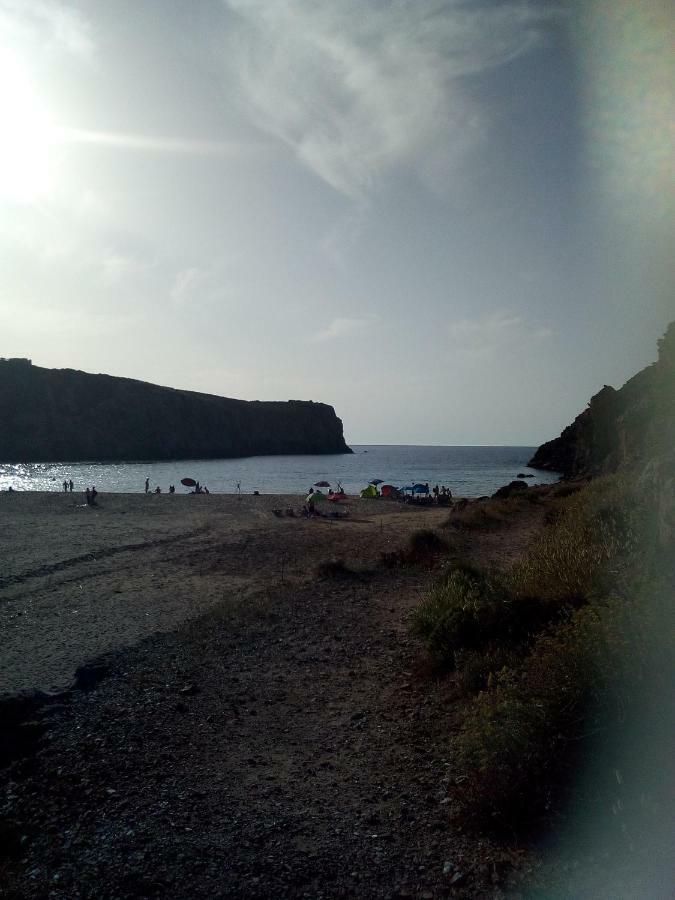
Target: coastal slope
x=625 y=427
x=63 y=414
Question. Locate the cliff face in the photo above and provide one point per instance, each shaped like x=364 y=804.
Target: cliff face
x=627 y=427
x=62 y=414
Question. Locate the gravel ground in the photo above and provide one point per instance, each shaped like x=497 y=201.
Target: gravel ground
x=287 y=742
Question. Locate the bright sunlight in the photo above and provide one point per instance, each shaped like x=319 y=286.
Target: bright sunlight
x=27 y=136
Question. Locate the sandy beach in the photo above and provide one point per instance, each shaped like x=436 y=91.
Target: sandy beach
x=78 y=581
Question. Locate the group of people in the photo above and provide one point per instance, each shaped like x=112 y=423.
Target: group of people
x=158 y=490
x=441 y=492
x=90 y=494
x=68 y=486
x=198 y=488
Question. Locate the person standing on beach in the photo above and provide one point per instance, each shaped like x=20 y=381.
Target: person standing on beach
x=65 y=486
x=147 y=485
x=70 y=485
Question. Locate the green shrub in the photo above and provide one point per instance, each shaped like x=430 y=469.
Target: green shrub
x=470 y=611
x=482 y=514
x=523 y=744
x=561 y=655
x=426 y=542
x=476 y=668
x=518 y=740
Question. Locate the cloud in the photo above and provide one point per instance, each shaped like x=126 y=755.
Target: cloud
x=344 y=327
x=43 y=27
x=188 y=286
x=117 y=266
x=486 y=334
x=359 y=87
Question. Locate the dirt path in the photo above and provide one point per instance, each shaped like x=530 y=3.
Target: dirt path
x=277 y=747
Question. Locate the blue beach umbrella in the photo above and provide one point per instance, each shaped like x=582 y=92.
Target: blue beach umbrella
x=376 y=481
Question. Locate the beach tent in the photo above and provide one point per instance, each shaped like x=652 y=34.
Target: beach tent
x=369 y=491
x=386 y=489
x=420 y=489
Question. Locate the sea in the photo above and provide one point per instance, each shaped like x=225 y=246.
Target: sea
x=467 y=471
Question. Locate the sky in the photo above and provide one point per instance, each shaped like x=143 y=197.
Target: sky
x=450 y=220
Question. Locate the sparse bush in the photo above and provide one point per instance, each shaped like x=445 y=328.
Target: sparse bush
x=334 y=568
x=559 y=653
x=578 y=555
x=479 y=515
x=426 y=542
x=470 y=611
x=476 y=668
x=523 y=743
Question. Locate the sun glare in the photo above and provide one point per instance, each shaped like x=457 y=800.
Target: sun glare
x=26 y=136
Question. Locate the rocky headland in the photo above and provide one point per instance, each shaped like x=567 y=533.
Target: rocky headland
x=629 y=427
x=62 y=414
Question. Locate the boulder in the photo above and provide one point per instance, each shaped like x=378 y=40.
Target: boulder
x=510 y=489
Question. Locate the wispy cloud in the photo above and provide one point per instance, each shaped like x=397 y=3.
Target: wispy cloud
x=486 y=334
x=345 y=327
x=189 y=285
x=45 y=26
x=359 y=87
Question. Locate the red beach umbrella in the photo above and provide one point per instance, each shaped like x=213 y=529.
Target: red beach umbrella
x=188 y=482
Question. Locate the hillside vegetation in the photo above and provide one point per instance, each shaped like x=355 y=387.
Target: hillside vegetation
x=562 y=662
x=557 y=662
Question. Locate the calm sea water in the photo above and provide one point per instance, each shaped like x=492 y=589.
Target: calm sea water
x=467 y=471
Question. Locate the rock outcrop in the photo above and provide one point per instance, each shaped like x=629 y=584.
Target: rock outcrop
x=625 y=427
x=51 y=415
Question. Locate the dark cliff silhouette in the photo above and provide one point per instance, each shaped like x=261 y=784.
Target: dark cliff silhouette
x=625 y=427
x=62 y=414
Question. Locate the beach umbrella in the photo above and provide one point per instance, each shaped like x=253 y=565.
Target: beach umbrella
x=376 y=481
x=322 y=484
x=420 y=489
x=188 y=482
